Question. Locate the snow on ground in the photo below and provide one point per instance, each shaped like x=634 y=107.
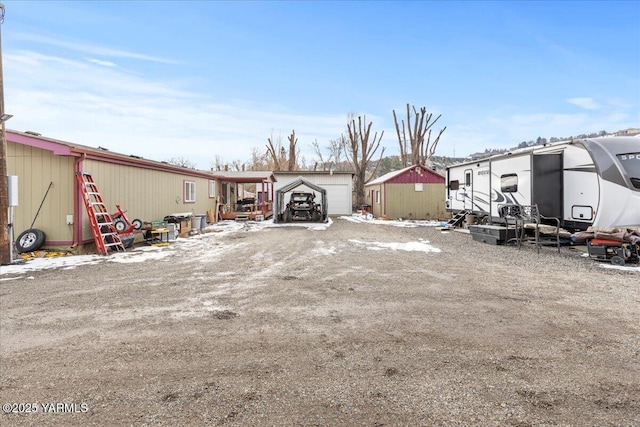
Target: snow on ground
x=396 y=223
x=148 y=253
x=224 y=228
x=634 y=268
x=419 y=246
x=70 y=262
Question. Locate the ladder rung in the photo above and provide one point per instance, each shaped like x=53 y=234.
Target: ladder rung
x=113 y=244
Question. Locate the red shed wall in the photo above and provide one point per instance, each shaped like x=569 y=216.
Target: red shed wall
x=413 y=176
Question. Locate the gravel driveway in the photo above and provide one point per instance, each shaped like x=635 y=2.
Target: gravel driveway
x=359 y=324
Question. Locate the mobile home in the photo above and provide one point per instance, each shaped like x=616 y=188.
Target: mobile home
x=586 y=182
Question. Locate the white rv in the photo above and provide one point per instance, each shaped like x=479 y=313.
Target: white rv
x=586 y=182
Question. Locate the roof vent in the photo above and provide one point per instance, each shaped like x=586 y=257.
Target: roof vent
x=103 y=149
x=30 y=132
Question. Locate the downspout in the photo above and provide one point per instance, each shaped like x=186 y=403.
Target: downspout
x=262 y=200
x=273 y=200
x=384 y=198
x=77 y=202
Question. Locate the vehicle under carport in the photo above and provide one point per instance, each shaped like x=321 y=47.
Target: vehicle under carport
x=302 y=206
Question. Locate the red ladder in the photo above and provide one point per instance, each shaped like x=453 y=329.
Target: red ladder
x=104 y=231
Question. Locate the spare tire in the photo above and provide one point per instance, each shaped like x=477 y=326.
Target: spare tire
x=30 y=240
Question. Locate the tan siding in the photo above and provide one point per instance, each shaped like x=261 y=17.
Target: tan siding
x=35 y=169
x=404 y=202
x=370 y=193
x=147 y=194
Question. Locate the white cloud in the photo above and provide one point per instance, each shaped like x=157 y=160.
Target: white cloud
x=88 y=48
x=85 y=102
x=100 y=62
x=586 y=103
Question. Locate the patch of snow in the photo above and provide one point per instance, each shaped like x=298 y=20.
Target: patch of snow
x=359 y=218
x=66 y=262
x=133 y=257
x=419 y=246
x=635 y=269
x=316 y=226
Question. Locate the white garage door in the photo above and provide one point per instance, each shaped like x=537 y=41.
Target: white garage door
x=338 y=198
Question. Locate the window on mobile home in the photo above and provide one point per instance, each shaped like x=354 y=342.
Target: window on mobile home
x=509 y=183
x=454 y=185
x=467 y=179
x=189 y=192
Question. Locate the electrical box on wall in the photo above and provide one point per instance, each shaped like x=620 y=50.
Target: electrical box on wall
x=12 y=180
x=69 y=219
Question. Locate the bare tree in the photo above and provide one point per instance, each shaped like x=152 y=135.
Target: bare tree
x=274 y=152
x=421 y=150
x=293 y=141
x=337 y=149
x=259 y=161
x=280 y=158
x=321 y=159
x=333 y=155
x=217 y=163
x=359 y=152
x=182 y=162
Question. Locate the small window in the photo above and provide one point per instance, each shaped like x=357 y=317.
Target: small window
x=454 y=185
x=212 y=189
x=377 y=197
x=509 y=183
x=467 y=179
x=419 y=186
x=189 y=192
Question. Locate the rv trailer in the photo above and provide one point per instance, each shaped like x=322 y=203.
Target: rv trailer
x=586 y=182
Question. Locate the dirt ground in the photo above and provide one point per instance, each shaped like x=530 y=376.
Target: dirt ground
x=359 y=324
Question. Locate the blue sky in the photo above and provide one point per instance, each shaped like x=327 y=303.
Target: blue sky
x=163 y=79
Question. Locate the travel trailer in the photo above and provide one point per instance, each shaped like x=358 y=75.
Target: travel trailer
x=585 y=182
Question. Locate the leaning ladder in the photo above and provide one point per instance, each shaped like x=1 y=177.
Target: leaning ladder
x=458 y=218
x=104 y=231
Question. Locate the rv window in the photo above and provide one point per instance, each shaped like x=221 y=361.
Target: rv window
x=467 y=179
x=631 y=164
x=454 y=185
x=509 y=183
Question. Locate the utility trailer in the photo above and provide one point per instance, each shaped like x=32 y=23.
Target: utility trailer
x=585 y=182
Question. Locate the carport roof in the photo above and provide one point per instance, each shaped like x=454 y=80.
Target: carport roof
x=245 y=176
x=301 y=181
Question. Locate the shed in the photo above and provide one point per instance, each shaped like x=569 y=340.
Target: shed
x=146 y=189
x=338 y=184
x=279 y=204
x=415 y=192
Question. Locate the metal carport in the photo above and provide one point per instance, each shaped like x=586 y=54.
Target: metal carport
x=279 y=205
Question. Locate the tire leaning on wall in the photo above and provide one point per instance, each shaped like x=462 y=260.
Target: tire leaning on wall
x=30 y=240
